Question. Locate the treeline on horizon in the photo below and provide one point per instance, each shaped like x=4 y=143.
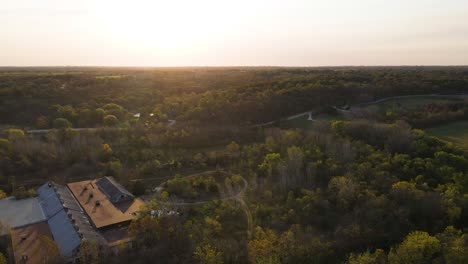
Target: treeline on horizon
x=235 y=96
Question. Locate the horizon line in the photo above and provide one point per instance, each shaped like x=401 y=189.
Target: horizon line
x=233 y=66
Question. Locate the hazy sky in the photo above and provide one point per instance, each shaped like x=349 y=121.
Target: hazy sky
x=234 y=32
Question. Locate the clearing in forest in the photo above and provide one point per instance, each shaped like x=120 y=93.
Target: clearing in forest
x=456 y=132
x=410 y=103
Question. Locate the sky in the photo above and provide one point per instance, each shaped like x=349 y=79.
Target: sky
x=233 y=33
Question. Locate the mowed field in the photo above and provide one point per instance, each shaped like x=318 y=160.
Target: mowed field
x=456 y=132
x=303 y=121
x=410 y=103
x=394 y=104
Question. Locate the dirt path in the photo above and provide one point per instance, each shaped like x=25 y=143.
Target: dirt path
x=238 y=197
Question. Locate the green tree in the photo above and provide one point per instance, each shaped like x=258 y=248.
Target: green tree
x=89 y=252
x=339 y=127
x=115 y=110
x=454 y=245
x=111 y=120
x=344 y=191
x=2 y=259
x=61 y=123
x=67 y=112
x=106 y=152
x=42 y=122
x=181 y=186
x=85 y=118
x=22 y=193
x=163 y=239
x=14 y=134
x=208 y=255
x=378 y=257
x=5 y=146
x=114 y=167
x=98 y=115
x=270 y=162
x=417 y=248
x=150 y=167
x=158 y=116
x=233 y=148
x=264 y=247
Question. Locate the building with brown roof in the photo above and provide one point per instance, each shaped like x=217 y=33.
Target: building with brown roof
x=33 y=244
x=105 y=201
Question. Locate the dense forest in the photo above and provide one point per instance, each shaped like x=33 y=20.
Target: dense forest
x=225 y=96
x=370 y=188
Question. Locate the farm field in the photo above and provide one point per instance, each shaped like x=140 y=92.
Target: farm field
x=303 y=122
x=409 y=103
x=456 y=132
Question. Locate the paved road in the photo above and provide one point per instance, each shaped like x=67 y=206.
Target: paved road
x=45 y=131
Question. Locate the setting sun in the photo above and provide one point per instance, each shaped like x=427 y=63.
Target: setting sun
x=208 y=32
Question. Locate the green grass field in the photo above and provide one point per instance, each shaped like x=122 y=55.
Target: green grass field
x=299 y=122
x=410 y=103
x=456 y=132
x=302 y=122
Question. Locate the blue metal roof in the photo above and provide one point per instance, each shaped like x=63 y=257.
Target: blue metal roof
x=64 y=233
x=49 y=200
x=59 y=222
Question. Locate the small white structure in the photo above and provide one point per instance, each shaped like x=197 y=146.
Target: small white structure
x=310 y=117
x=162 y=212
x=157 y=189
x=137 y=115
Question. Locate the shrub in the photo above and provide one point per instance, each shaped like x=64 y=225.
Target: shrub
x=111 y=120
x=61 y=123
